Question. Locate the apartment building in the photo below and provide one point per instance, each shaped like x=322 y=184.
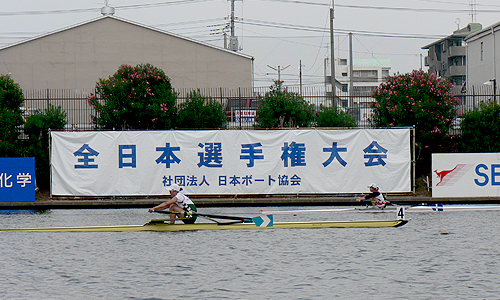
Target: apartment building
x=446 y=57
x=354 y=93
x=367 y=75
x=483 y=56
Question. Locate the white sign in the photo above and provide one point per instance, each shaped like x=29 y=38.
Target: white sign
x=210 y=162
x=246 y=115
x=465 y=175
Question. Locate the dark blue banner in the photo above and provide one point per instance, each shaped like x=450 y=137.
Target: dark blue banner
x=17 y=179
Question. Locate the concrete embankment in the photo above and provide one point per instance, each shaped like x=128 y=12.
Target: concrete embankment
x=88 y=203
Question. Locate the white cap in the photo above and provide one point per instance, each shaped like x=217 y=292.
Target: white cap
x=173 y=187
x=373 y=185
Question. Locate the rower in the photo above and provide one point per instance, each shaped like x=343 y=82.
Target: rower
x=179 y=205
x=376 y=198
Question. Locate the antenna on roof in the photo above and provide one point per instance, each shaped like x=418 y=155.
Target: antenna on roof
x=106 y=10
x=473 y=12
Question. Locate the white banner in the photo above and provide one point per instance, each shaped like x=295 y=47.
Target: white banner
x=465 y=175
x=126 y=163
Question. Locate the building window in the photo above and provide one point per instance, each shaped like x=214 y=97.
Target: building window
x=365 y=73
x=343 y=62
x=344 y=88
x=482 y=49
x=438 y=48
x=344 y=74
x=366 y=89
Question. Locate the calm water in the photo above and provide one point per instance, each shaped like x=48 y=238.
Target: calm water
x=415 y=261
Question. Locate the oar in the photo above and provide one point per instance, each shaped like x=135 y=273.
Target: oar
x=243 y=219
x=162 y=221
x=261 y=221
x=308 y=211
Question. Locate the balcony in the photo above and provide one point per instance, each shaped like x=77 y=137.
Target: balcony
x=457 y=71
x=457 y=51
x=426 y=60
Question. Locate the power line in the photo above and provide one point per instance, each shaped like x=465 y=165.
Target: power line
x=179 y=2
x=322 y=29
x=388 y=7
x=84 y=10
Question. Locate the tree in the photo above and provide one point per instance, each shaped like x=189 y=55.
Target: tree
x=37 y=128
x=138 y=97
x=481 y=129
x=280 y=108
x=201 y=112
x=334 y=117
x=11 y=98
x=417 y=99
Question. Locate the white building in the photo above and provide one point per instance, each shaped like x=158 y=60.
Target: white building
x=483 y=56
x=354 y=93
x=367 y=75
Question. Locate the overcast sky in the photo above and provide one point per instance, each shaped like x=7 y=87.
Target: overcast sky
x=274 y=32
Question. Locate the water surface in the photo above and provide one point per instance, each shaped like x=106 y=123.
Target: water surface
x=451 y=255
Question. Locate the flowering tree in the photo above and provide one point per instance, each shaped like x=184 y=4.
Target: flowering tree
x=138 y=97
x=419 y=99
x=280 y=108
x=11 y=98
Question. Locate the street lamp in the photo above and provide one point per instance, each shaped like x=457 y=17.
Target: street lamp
x=494 y=83
x=279 y=69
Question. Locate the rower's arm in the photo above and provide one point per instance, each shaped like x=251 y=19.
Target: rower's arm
x=163 y=205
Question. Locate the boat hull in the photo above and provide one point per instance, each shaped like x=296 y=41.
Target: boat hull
x=215 y=226
x=434 y=208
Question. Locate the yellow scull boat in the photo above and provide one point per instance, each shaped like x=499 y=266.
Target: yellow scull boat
x=160 y=225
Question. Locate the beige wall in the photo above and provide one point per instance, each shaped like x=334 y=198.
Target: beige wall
x=77 y=57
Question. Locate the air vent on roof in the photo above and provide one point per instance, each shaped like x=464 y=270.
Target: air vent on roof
x=107 y=11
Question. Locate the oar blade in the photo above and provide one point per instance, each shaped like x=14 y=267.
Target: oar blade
x=264 y=221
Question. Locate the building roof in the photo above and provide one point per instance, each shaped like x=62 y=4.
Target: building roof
x=460 y=33
x=486 y=30
x=130 y=22
x=372 y=62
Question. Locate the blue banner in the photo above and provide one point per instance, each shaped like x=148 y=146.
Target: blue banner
x=17 y=179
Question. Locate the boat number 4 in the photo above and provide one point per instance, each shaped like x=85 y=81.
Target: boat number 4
x=401 y=213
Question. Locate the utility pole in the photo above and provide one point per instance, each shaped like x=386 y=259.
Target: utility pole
x=494 y=66
x=233 y=40
x=351 y=73
x=300 y=75
x=332 y=56
x=279 y=69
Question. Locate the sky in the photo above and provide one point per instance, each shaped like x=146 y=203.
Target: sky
x=290 y=34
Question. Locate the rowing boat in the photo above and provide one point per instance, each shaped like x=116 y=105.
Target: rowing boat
x=375 y=209
x=235 y=222
x=434 y=208
x=159 y=225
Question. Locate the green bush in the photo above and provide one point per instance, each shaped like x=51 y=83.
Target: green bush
x=280 y=108
x=37 y=128
x=11 y=98
x=481 y=129
x=417 y=99
x=334 y=117
x=201 y=113
x=138 y=97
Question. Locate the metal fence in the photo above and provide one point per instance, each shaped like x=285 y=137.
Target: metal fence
x=241 y=103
